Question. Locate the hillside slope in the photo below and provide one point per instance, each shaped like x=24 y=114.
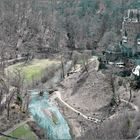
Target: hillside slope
x=91 y=94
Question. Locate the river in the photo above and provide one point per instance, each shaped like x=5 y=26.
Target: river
x=46 y=114
x=48 y=117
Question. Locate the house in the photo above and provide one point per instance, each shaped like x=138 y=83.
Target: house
x=131 y=30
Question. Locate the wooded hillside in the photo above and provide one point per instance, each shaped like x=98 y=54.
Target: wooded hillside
x=32 y=25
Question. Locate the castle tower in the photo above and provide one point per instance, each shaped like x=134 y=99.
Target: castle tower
x=131 y=30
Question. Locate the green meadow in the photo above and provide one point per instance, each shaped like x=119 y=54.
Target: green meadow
x=22 y=132
x=34 y=68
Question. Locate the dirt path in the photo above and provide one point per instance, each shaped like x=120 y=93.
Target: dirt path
x=131 y=104
x=135 y=107
x=58 y=95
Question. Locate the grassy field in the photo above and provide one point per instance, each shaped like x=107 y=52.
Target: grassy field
x=22 y=132
x=35 y=68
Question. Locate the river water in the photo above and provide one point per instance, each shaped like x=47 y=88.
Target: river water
x=48 y=117
x=46 y=114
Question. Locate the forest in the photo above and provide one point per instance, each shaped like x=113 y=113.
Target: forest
x=54 y=72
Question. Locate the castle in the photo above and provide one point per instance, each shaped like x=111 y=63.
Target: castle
x=131 y=30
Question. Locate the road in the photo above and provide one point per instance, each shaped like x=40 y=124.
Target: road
x=12 y=61
x=58 y=95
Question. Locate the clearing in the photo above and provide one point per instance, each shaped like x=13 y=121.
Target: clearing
x=34 y=68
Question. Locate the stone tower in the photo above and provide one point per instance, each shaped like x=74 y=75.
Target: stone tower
x=131 y=30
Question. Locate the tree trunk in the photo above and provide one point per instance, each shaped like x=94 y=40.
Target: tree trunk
x=62 y=65
x=8 y=105
x=8 y=111
x=1 y=107
x=130 y=95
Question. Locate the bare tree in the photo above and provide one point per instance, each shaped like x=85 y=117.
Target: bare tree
x=62 y=66
x=18 y=83
x=9 y=100
x=4 y=86
x=112 y=83
x=127 y=85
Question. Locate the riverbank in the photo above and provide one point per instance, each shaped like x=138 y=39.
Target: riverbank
x=48 y=117
x=90 y=92
x=54 y=83
x=48 y=70
x=73 y=118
